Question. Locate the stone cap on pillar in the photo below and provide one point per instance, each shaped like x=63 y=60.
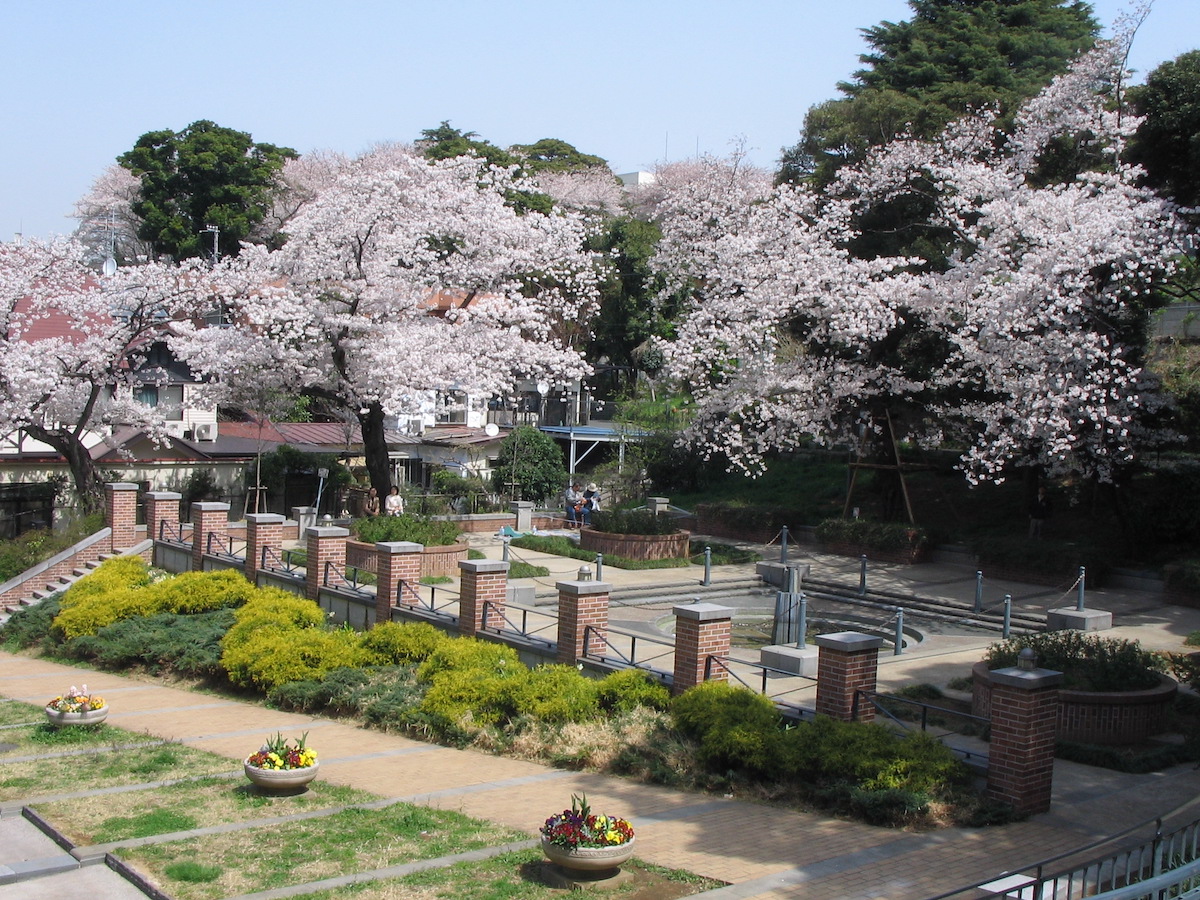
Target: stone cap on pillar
x=1026 y=679
x=703 y=612
x=210 y=506
x=391 y=547
x=326 y=531
x=265 y=518
x=120 y=486
x=165 y=495
x=520 y=504
x=582 y=588
x=848 y=641
x=479 y=566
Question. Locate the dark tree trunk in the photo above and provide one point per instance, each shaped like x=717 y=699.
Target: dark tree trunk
x=375 y=449
x=83 y=469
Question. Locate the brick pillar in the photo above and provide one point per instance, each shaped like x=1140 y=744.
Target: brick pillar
x=847 y=662
x=580 y=604
x=1021 y=753
x=120 y=513
x=701 y=631
x=161 y=506
x=262 y=530
x=325 y=544
x=206 y=518
x=395 y=561
x=483 y=581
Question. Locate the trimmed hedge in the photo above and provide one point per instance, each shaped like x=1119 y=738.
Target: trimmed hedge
x=407 y=527
x=1088 y=662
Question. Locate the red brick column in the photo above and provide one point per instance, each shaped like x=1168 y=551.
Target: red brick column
x=207 y=518
x=582 y=604
x=120 y=513
x=701 y=631
x=484 y=581
x=262 y=530
x=395 y=561
x=1021 y=753
x=325 y=544
x=847 y=662
x=161 y=506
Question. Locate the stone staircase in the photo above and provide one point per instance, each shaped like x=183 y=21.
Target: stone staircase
x=52 y=586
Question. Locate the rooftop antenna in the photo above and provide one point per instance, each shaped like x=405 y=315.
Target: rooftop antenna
x=215 y=231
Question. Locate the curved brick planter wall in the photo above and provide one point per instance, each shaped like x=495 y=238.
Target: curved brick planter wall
x=1118 y=717
x=636 y=546
x=434 y=560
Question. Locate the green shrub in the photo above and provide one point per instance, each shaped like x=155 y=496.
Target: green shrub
x=195 y=592
x=557 y=694
x=469 y=654
x=275 y=654
x=722 y=554
x=736 y=728
x=633 y=521
x=276 y=607
x=561 y=546
x=30 y=626
x=627 y=689
x=474 y=696
x=27 y=550
x=412 y=642
x=868 y=535
x=1088 y=662
x=188 y=645
x=418 y=529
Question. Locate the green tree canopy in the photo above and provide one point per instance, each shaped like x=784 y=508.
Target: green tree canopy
x=531 y=466
x=554 y=155
x=952 y=56
x=447 y=142
x=204 y=175
x=1167 y=143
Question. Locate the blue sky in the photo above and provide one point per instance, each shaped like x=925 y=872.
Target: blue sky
x=634 y=82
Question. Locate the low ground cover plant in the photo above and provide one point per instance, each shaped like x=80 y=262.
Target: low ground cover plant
x=561 y=546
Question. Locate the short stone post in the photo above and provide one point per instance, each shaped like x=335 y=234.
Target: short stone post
x=325 y=544
x=702 y=631
x=395 y=561
x=658 y=505
x=120 y=512
x=582 y=605
x=263 y=531
x=523 y=510
x=847 y=663
x=161 y=506
x=1024 y=713
x=207 y=518
x=484 y=581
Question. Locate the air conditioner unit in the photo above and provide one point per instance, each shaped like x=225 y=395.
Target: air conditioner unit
x=206 y=431
x=175 y=429
x=416 y=427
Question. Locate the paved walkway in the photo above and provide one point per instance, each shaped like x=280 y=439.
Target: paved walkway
x=761 y=851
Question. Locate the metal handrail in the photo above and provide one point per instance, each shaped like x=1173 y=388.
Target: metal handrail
x=281 y=558
x=225 y=548
x=725 y=663
x=413 y=589
x=522 y=629
x=631 y=659
x=335 y=577
x=176 y=529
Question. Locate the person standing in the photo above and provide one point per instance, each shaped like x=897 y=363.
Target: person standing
x=1039 y=511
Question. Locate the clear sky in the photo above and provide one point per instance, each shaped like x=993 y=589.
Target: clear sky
x=634 y=82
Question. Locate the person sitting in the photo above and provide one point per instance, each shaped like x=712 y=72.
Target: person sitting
x=393 y=505
x=577 y=513
x=591 y=496
x=371 y=504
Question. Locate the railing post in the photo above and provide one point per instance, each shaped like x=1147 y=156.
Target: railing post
x=581 y=605
x=862 y=575
x=848 y=663
x=120 y=513
x=898 y=648
x=802 y=625
x=978 y=591
x=783 y=538
x=504 y=549
x=702 y=634
x=207 y=518
x=325 y=544
x=1007 y=616
x=707 y=566
x=483 y=582
x=599 y=566
x=1079 y=607
x=263 y=531
x=395 y=561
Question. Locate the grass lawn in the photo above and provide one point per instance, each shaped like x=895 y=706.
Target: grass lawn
x=354 y=840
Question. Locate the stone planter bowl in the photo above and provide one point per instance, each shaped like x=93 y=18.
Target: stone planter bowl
x=281 y=780
x=88 y=717
x=589 y=859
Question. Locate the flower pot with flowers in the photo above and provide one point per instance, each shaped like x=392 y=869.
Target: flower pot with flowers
x=282 y=765
x=581 y=841
x=77 y=707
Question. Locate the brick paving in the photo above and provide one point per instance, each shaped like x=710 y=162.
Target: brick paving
x=761 y=851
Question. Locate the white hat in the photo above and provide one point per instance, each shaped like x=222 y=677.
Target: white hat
x=592 y=487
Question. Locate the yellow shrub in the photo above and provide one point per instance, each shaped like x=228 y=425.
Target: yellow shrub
x=196 y=592
x=114 y=574
x=393 y=642
x=470 y=654
x=277 y=654
x=272 y=606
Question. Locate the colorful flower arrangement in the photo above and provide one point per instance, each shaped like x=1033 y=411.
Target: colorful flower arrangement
x=76 y=701
x=278 y=753
x=579 y=827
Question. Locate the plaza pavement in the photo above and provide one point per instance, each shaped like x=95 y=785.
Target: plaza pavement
x=760 y=851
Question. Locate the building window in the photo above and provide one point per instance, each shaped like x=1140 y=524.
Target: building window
x=167 y=398
x=452 y=408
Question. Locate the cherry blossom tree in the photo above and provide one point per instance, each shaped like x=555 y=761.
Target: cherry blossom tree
x=72 y=345
x=402 y=276
x=1020 y=341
